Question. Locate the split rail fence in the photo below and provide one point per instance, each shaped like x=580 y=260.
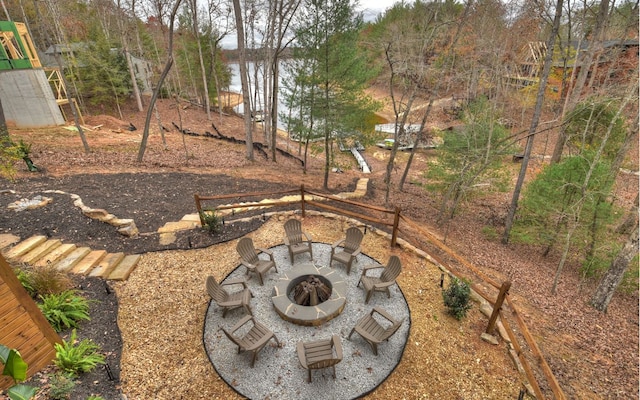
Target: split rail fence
x=415 y=234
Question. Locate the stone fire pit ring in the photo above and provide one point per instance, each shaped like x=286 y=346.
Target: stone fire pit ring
x=309 y=315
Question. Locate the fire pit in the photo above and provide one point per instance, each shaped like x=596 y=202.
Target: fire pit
x=309 y=295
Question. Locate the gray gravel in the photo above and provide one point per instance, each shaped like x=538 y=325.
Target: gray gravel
x=277 y=373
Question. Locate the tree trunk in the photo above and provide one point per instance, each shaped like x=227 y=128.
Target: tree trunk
x=156 y=91
x=134 y=83
x=630 y=220
x=613 y=277
x=205 y=87
x=243 y=79
x=534 y=122
x=415 y=145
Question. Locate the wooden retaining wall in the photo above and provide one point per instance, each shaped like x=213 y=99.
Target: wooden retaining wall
x=22 y=325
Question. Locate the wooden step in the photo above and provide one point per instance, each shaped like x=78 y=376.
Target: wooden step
x=24 y=247
x=124 y=269
x=7 y=239
x=70 y=261
x=87 y=263
x=107 y=265
x=56 y=254
x=37 y=253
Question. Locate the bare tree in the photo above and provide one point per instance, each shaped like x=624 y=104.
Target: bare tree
x=585 y=62
x=124 y=29
x=242 y=51
x=156 y=91
x=544 y=77
x=280 y=17
x=196 y=33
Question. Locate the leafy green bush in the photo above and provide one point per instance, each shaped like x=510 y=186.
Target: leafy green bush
x=60 y=386
x=211 y=221
x=75 y=357
x=16 y=368
x=457 y=297
x=64 y=310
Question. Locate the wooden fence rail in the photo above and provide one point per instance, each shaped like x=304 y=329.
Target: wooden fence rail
x=395 y=225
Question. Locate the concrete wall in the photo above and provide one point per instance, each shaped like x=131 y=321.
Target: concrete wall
x=27 y=99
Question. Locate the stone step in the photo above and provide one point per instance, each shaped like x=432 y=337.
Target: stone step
x=107 y=265
x=24 y=247
x=73 y=258
x=40 y=251
x=181 y=225
x=192 y=217
x=87 y=263
x=124 y=269
x=55 y=255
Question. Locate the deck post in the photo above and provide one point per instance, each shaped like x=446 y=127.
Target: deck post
x=199 y=208
x=504 y=289
x=394 y=232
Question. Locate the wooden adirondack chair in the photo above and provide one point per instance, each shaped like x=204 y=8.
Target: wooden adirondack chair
x=373 y=331
x=229 y=301
x=254 y=340
x=296 y=239
x=320 y=354
x=350 y=248
x=380 y=284
x=252 y=262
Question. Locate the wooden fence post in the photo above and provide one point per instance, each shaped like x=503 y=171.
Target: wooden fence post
x=302 y=199
x=504 y=289
x=394 y=232
x=199 y=208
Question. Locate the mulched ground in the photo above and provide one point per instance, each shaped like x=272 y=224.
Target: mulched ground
x=593 y=355
x=151 y=200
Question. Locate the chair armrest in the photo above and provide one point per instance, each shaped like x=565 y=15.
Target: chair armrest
x=238 y=281
x=338 y=346
x=369 y=267
x=357 y=252
x=243 y=321
x=266 y=251
x=338 y=243
x=383 y=313
x=305 y=234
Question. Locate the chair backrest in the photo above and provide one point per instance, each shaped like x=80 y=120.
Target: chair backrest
x=293 y=230
x=353 y=240
x=247 y=251
x=392 y=270
x=217 y=293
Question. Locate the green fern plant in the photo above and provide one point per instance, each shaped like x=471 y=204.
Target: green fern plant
x=75 y=357
x=457 y=297
x=64 y=310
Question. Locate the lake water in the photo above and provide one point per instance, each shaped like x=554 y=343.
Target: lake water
x=236 y=87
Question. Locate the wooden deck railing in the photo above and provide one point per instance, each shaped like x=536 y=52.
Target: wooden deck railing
x=408 y=228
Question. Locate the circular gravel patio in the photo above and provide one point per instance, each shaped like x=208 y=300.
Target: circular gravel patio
x=277 y=373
